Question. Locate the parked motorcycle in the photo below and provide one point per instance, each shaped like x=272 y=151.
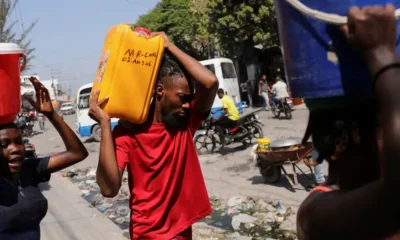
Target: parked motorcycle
x=247 y=130
x=30 y=151
x=284 y=106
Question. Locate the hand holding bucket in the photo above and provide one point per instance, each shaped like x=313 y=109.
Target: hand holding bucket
x=319 y=61
x=322 y=16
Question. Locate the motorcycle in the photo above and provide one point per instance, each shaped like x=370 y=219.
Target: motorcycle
x=27 y=130
x=285 y=106
x=30 y=151
x=210 y=138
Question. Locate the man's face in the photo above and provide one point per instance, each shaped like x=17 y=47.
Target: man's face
x=175 y=102
x=264 y=78
x=220 y=95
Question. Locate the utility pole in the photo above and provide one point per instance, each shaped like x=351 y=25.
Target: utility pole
x=54 y=73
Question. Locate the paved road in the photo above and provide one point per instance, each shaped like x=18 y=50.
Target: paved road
x=225 y=176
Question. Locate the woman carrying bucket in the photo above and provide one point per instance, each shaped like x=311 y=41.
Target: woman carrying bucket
x=22 y=205
x=360 y=138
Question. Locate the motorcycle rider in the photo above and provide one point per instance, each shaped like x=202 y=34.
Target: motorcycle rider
x=229 y=116
x=279 y=91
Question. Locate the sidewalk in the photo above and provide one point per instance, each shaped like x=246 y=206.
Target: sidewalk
x=71 y=218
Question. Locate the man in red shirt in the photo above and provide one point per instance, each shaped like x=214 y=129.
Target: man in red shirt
x=168 y=193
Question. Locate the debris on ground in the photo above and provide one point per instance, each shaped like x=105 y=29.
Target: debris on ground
x=237 y=218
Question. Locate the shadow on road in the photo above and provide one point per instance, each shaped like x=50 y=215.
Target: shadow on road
x=304 y=182
x=89 y=140
x=228 y=150
x=44 y=187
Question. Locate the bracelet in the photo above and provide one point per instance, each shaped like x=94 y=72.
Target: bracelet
x=383 y=70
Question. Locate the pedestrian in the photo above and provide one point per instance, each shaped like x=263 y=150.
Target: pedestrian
x=246 y=92
x=359 y=137
x=263 y=92
x=168 y=192
x=318 y=169
x=41 y=119
x=22 y=205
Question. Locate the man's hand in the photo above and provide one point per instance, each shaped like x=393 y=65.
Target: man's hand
x=167 y=43
x=43 y=102
x=95 y=111
x=372 y=29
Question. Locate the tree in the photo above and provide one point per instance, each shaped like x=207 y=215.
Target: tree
x=240 y=25
x=7 y=33
x=178 y=19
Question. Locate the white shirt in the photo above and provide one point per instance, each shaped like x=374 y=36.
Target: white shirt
x=279 y=89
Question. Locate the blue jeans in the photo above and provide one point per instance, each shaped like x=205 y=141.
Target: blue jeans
x=41 y=125
x=319 y=169
x=275 y=101
x=264 y=95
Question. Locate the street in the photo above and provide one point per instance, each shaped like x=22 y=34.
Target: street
x=226 y=176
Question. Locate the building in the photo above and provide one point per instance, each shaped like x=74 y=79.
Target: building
x=56 y=91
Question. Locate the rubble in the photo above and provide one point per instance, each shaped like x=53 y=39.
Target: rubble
x=238 y=217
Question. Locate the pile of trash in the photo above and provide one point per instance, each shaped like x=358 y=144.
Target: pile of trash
x=254 y=218
x=239 y=217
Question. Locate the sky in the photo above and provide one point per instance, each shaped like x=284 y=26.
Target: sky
x=69 y=35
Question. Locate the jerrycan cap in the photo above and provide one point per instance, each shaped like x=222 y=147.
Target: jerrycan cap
x=10 y=48
x=144 y=30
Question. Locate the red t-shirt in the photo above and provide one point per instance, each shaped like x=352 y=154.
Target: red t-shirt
x=168 y=193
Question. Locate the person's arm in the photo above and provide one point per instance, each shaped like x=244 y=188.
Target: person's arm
x=206 y=83
x=273 y=89
x=366 y=213
x=109 y=174
x=75 y=150
x=224 y=108
x=222 y=115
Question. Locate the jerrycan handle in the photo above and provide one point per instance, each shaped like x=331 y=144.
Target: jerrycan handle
x=142 y=32
x=334 y=19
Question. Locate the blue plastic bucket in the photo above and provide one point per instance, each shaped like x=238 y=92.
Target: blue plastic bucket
x=311 y=49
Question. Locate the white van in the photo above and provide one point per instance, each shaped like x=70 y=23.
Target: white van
x=224 y=69
x=85 y=126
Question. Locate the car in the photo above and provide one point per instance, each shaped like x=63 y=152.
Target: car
x=67 y=108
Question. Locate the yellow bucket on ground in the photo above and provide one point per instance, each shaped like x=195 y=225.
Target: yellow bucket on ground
x=264 y=144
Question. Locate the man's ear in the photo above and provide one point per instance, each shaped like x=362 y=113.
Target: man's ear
x=160 y=90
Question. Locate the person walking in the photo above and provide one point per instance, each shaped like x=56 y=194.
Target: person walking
x=263 y=89
x=41 y=119
x=247 y=92
x=168 y=193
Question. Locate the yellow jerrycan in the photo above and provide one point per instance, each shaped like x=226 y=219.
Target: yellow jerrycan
x=127 y=72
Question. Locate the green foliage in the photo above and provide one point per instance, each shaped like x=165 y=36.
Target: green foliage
x=7 y=33
x=178 y=19
x=240 y=25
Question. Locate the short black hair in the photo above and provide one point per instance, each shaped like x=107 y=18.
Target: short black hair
x=8 y=126
x=170 y=70
x=325 y=126
x=221 y=91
